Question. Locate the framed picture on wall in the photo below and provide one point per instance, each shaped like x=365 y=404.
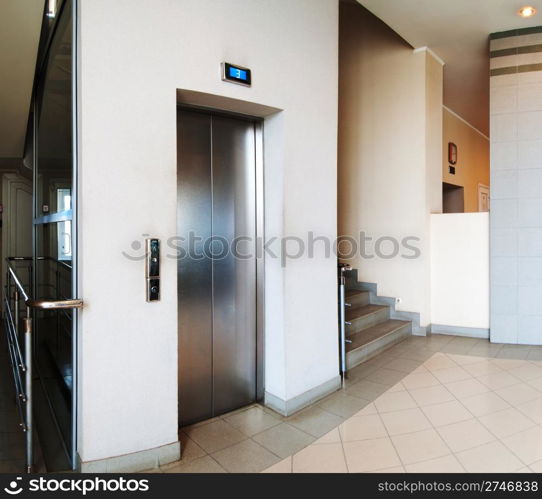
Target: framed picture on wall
x=452 y=153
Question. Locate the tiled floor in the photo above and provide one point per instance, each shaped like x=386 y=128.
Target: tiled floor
x=439 y=403
x=435 y=404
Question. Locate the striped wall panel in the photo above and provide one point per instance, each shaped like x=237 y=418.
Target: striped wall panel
x=516 y=51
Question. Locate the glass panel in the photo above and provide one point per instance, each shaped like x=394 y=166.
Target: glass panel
x=54 y=151
x=53 y=249
x=53 y=339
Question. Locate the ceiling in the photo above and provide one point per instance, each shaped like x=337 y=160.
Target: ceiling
x=20 y=24
x=457 y=31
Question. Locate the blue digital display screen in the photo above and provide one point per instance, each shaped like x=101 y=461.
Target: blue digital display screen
x=238 y=74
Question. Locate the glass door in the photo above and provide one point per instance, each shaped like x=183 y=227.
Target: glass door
x=54 y=276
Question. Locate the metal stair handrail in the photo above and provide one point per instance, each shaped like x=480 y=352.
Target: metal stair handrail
x=21 y=359
x=342 y=267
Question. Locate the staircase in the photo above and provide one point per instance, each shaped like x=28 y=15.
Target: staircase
x=370 y=328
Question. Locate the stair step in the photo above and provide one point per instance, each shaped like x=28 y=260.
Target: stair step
x=357 y=297
x=374 y=340
x=366 y=316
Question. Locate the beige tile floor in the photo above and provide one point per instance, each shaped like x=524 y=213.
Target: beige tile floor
x=435 y=404
x=440 y=403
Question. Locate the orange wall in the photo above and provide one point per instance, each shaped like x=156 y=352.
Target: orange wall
x=472 y=166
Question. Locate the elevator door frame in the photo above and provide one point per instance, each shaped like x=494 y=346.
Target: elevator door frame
x=260 y=234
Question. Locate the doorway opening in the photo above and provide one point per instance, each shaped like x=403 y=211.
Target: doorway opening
x=453 y=198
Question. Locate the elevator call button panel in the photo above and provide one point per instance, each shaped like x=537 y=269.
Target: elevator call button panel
x=152 y=269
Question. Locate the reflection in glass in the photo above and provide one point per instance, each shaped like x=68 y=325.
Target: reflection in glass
x=64 y=244
x=54 y=144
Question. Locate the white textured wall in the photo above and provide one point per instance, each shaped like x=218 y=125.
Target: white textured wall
x=516 y=188
x=460 y=270
x=134 y=55
x=390 y=133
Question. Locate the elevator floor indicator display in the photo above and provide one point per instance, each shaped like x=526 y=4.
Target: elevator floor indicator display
x=236 y=74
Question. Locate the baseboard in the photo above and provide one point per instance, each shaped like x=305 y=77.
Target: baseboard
x=293 y=405
x=134 y=462
x=420 y=330
x=468 y=332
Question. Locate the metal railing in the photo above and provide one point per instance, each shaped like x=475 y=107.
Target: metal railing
x=21 y=358
x=343 y=268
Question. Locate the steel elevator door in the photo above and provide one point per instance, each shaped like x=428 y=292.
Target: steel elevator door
x=216 y=220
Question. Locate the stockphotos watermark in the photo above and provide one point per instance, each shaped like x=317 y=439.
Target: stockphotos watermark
x=194 y=246
x=82 y=486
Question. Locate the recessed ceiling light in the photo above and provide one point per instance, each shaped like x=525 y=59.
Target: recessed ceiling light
x=527 y=11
